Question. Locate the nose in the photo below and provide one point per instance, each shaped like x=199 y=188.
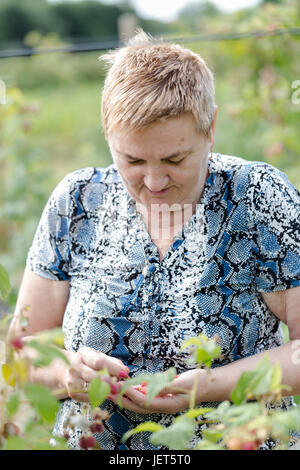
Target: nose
x=156 y=179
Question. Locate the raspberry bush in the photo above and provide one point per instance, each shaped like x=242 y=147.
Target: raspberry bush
x=28 y=411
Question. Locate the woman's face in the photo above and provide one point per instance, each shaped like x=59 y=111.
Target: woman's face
x=165 y=163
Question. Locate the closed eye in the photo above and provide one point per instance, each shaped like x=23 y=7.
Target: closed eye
x=135 y=162
x=176 y=162
x=139 y=162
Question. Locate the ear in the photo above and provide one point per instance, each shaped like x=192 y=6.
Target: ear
x=213 y=127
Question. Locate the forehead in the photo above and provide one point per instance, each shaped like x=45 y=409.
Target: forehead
x=174 y=134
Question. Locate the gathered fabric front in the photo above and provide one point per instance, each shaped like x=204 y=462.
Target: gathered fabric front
x=243 y=239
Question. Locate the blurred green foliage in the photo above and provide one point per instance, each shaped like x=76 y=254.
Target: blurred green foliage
x=69 y=19
x=76 y=20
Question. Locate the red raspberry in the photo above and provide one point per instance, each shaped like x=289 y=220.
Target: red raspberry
x=97 y=416
x=87 y=442
x=115 y=387
x=17 y=343
x=249 y=446
x=11 y=429
x=123 y=374
x=234 y=444
x=141 y=388
x=100 y=415
x=97 y=427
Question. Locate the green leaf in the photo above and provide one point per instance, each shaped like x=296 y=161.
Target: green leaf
x=5 y=286
x=13 y=404
x=212 y=435
x=6 y=317
x=289 y=419
x=276 y=376
x=58 y=443
x=42 y=401
x=176 y=436
x=218 y=413
x=207 y=445
x=264 y=379
x=98 y=391
x=235 y=415
x=238 y=415
x=195 y=412
x=16 y=443
x=238 y=394
x=46 y=353
x=143 y=427
x=37 y=436
x=155 y=382
x=204 y=350
x=52 y=336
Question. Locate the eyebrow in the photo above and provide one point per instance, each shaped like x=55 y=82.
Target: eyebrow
x=174 y=155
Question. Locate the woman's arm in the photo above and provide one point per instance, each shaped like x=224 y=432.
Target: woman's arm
x=43 y=302
x=219 y=383
x=286 y=306
x=222 y=381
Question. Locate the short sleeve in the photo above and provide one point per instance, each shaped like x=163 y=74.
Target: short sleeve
x=49 y=253
x=275 y=221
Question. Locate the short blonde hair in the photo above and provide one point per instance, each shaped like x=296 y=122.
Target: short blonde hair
x=150 y=80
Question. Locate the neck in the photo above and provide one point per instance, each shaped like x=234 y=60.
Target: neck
x=164 y=225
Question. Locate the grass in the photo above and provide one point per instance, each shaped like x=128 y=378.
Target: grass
x=68 y=128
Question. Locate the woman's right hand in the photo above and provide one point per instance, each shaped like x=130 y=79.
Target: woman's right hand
x=84 y=367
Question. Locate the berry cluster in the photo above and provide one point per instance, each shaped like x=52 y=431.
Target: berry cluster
x=245 y=439
x=115 y=386
x=143 y=389
x=11 y=429
x=17 y=343
x=88 y=441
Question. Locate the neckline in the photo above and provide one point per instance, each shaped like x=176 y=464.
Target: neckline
x=151 y=249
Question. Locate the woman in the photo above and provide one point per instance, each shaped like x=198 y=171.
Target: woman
x=169 y=241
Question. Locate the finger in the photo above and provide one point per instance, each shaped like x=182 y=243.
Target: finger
x=83 y=372
x=82 y=397
x=174 y=388
x=165 y=392
x=155 y=406
x=165 y=404
x=136 y=396
x=76 y=388
x=131 y=406
x=98 y=361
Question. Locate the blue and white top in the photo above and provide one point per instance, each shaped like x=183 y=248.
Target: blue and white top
x=243 y=239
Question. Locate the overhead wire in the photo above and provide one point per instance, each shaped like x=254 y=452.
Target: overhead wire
x=114 y=43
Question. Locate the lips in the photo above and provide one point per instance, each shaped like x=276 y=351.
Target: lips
x=157 y=193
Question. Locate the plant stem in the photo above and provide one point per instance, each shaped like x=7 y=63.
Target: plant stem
x=193 y=394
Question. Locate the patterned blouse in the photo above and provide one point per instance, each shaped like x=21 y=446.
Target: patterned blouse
x=243 y=239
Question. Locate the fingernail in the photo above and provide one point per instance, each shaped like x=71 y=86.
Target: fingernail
x=123 y=374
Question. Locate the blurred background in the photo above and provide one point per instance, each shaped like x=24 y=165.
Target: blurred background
x=51 y=82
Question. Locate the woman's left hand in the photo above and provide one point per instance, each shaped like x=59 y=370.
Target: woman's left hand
x=135 y=400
